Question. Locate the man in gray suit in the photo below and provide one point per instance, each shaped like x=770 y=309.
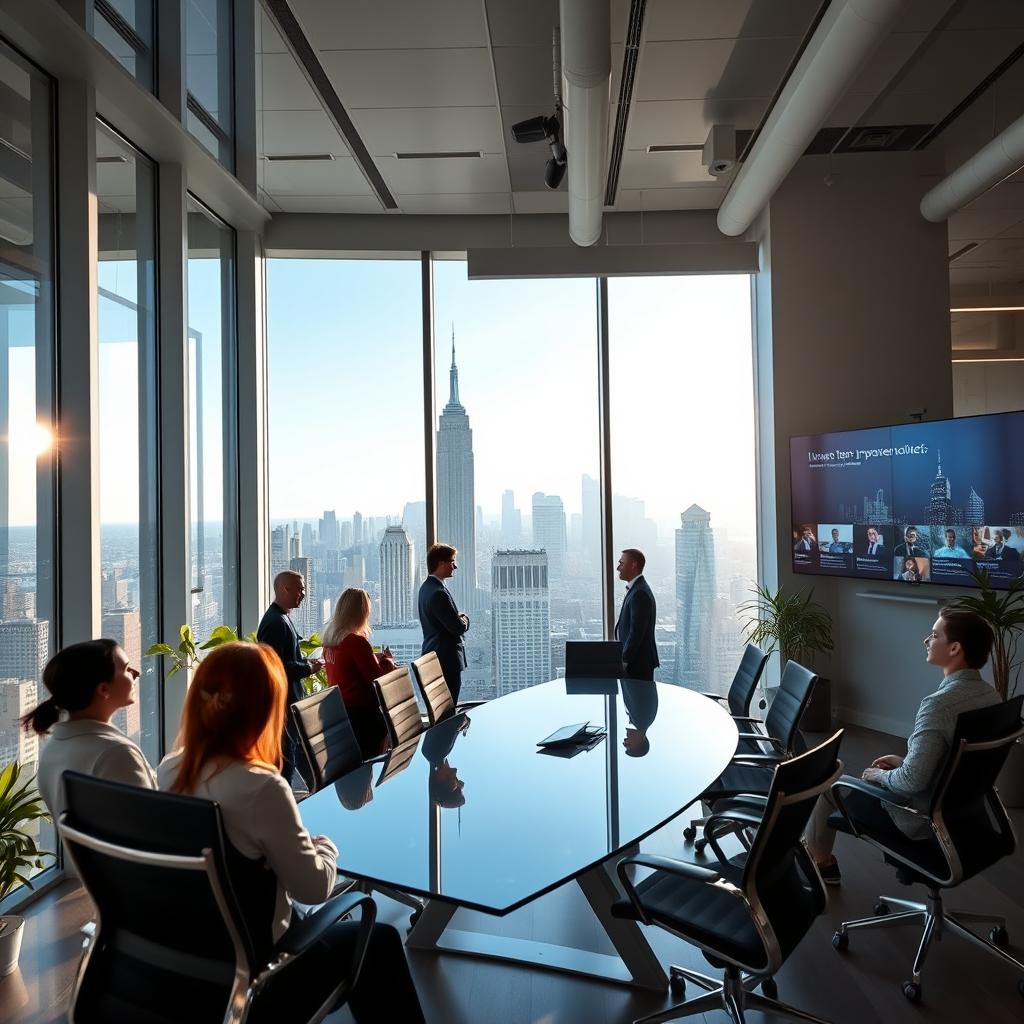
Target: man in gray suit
x=442 y=623
x=635 y=628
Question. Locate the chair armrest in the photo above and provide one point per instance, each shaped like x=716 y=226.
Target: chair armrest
x=871 y=789
x=748 y=718
x=763 y=738
x=744 y=801
x=760 y=759
x=713 y=696
x=305 y=931
x=745 y=817
x=682 y=868
x=462 y=705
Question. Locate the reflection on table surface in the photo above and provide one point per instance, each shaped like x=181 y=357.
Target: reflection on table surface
x=472 y=812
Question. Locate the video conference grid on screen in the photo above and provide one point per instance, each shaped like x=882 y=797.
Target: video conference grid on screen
x=927 y=503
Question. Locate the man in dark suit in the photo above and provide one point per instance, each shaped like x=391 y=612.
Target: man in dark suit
x=442 y=623
x=910 y=545
x=874 y=548
x=1001 y=550
x=277 y=631
x=635 y=628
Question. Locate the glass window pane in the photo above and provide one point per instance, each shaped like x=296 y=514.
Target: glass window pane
x=129 y=523
x=27 y=389
x=125 y=28
x=683 y=462
x=212 y=422
x=208 y=75
x=517 y=464
x=345 y=425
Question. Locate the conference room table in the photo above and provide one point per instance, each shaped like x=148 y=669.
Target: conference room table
x=471 y=813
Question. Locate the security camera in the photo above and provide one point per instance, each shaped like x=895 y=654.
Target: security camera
x=545 y=129
x=719 y=153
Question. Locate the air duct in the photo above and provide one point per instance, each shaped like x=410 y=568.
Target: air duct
x=843 y=40
x=1001 y=157
x=586 y=74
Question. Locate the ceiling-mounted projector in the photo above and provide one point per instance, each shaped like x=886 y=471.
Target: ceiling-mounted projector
x=719 y=154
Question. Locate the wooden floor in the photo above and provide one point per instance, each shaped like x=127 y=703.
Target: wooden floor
x=961 y=983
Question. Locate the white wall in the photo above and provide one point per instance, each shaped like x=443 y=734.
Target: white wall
x=985 y=387
x=858 y=284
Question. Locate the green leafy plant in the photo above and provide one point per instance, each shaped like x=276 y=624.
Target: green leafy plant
x=1003 y=610
x=793 y=624
x=20 y=806
x=187 y=654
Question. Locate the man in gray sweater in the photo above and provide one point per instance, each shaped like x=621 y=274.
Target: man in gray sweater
x=959 y=643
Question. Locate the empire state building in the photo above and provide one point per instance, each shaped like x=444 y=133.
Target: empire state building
x=456 y=502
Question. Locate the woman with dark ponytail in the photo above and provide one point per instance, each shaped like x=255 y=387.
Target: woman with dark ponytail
x=87 y=682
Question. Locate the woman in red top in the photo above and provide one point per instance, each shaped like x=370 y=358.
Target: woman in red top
x=352 y=667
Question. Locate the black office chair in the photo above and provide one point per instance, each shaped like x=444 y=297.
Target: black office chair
x=326 y=736
x=184 y=921
x=744 y=684
x=330 y=745
x=750 y=771
x=746 y=914
x=429 y=678
x=593 y=659
x=969 y=828
x=398 y=703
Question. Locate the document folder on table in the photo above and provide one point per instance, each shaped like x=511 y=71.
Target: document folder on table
x=571 y=736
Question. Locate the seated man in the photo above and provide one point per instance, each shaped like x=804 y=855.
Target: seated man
x=959 y=643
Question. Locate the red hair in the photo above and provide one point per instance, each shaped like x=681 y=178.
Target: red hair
x=234 y=710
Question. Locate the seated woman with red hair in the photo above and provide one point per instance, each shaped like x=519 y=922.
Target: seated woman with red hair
x=229 y=750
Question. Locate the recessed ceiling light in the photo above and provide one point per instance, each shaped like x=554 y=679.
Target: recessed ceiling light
x=682 y=147
x=301 y=157
x=473 y=154
x=113 y=159
x=997 y=360
x=987 y=309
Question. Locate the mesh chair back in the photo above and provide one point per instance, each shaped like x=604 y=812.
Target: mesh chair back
x=182 y=916
x=964 y=804
x=783 y=718
x=430 y=679
x=779 y=874
x=593 y=659
x=744 y=683
x=326 y=736
x=398 y=702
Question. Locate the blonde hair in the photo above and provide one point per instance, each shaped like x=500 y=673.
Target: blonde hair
x=351 y=615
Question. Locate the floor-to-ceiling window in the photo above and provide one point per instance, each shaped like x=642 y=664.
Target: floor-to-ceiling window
x=129 y=521
x=212 y=421
x=208 y=76
x=682 y=442
x=125 y=28
x=27 y=391
x=345 y=426
x=517 y=467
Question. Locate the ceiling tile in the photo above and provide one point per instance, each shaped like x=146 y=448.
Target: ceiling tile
x=339 y=177
x=429 y=129
x=678 y=122
x=727 y=19
x=718 y=68
x=411 y=78
x=541 y=202
x=497 y=202
x=299 y=131
x=433 y=177
x=268 y=39
x=972 y=224
x=682 y=198
x=392 y=24
x=284 y=85
x=524 y=77
x=988 y=14
x=522 y=22
x=328 y=204
x=662 y=170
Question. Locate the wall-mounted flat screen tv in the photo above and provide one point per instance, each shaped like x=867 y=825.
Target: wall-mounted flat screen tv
x=924 y=503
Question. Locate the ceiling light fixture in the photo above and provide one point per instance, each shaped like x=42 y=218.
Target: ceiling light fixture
x=987 y=309
x=1016 y=359
x=457 y=154
x=300 y=157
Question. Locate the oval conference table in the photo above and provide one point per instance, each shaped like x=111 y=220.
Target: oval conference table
x=471 y=813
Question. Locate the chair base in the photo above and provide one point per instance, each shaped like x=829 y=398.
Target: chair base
x=733 y=994
x=936 y=921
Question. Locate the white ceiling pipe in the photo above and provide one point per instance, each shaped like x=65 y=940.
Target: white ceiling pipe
x=845 y=37
x=586 y=76
x=1001 y=157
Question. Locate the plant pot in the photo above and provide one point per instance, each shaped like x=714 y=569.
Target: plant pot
x=10 y=943
x=1010 y=782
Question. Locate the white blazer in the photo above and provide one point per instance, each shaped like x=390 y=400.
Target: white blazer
x=262 y=821
x=92 y=748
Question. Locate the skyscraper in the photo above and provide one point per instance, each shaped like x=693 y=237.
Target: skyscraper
x=940 y=503
x=591 y=518
x=695 y=596
x=17 y=697
x=414 y=518
x=357 y=528
x=306 y=617
x=279 y=553
x=24 y=648
x=511 y=521
x=549 y=530
x=456 y=502
x=520 y=619
x=975 y=509
x=876 y=511
x=396 y=572
x=329 y=534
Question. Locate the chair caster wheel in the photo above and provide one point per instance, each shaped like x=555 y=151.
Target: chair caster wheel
x=689 y=833
x=769 y=988
x=840 y=941
x=699 y=845
x=999 y=936
x=912 y=991
x=677 y=986
x=881 y=909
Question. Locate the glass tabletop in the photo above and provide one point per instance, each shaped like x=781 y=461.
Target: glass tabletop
x=472 y=811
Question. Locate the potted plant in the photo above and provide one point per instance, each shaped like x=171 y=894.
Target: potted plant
x=20 y=807
x=186 y=655
x=1003 y=610
x=797 y=627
